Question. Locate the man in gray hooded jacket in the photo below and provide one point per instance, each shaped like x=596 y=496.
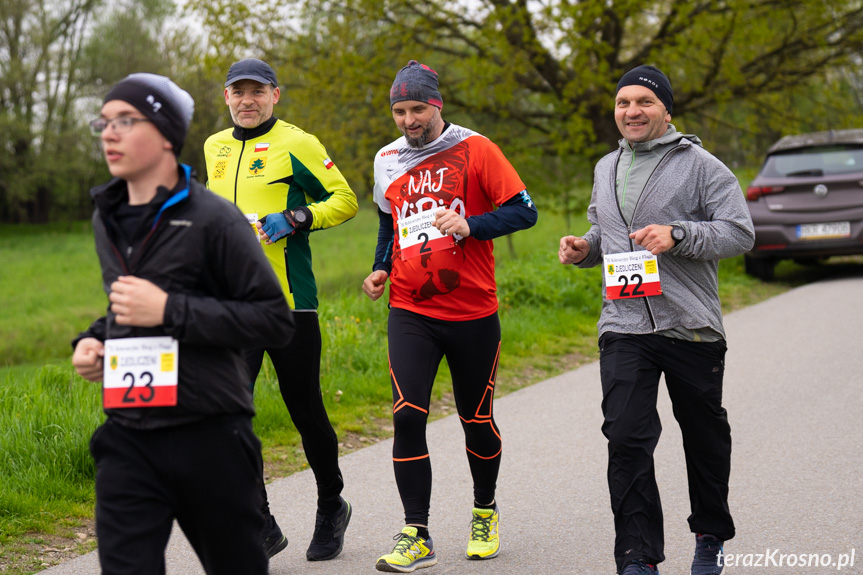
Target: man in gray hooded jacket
x=663 y=213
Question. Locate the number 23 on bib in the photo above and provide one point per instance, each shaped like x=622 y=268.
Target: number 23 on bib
x=140 y=372
x=631 y=274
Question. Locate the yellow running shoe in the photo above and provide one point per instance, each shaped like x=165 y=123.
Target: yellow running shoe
x=484 y=537
x=410 y=553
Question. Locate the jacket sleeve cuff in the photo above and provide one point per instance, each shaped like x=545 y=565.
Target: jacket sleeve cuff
x=172 y=320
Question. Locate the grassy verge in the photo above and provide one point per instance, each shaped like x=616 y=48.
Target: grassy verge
x=46 y=498
x=50 y=290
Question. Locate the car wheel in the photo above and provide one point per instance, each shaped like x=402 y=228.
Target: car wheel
x=761 y=268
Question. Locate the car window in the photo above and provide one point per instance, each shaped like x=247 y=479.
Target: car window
x=821 y=160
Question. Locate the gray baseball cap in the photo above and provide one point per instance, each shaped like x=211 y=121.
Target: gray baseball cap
x=251 y=69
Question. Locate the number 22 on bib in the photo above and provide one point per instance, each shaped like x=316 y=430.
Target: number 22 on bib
x=631 y=274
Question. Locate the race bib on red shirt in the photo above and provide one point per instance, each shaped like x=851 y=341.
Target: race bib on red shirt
x=419 y=236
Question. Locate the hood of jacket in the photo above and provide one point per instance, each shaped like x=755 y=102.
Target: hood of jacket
x=671 y=136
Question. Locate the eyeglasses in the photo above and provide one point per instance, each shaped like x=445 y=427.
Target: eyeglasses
x=120 y=124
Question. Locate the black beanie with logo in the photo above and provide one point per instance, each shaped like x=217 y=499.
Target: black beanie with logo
x=161 y=101
x=651 y=78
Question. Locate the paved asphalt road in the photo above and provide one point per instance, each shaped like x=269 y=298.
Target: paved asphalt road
x=794 y=393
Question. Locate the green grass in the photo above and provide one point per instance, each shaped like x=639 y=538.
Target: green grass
x=46 y=421
x=50 y=289
x=46 y=416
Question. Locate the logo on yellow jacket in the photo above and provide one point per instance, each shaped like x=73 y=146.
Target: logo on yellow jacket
x=256 y=165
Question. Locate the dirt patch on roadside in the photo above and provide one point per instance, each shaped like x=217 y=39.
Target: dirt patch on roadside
x=38 y=551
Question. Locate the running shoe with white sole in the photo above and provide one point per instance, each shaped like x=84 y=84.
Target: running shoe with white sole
x=484 y=535
x=409 y=554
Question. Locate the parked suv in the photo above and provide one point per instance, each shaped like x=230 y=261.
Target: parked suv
x=807 y=200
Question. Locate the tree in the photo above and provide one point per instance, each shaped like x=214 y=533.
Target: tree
x=57 y=58
x=552 y=66
x=40 y=44
x=539 y=77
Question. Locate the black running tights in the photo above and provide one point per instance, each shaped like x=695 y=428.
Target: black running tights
x=472 y=348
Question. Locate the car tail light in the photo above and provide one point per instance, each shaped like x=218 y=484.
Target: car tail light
x=755 y=192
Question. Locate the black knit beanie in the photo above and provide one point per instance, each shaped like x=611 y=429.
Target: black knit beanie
x=161 y=101
x=651 y=78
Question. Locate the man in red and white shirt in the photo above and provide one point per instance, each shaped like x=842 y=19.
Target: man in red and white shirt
x=443 y=193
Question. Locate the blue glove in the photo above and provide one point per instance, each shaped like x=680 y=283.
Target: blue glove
x=276 y=226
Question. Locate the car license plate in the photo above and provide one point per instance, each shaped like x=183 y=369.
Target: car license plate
x=822 y=231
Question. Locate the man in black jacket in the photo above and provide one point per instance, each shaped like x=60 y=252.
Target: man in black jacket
x=188 y=288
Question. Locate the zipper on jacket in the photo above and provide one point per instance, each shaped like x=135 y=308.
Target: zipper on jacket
x=133 y=263
x=119 y=255
x=647 y=181
x=237 y=175
x=629 y=224
x=626 y=180
x=635 y=209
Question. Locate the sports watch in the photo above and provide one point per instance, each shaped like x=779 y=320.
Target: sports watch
x=299 y=218
x=678 y=234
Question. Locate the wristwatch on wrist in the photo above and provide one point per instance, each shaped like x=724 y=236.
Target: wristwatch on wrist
x=678 y=234
x=298 y=218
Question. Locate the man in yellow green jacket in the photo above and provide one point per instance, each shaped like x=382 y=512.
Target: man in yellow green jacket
x=287 y=186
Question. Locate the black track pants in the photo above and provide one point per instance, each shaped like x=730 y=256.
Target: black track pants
x=298 y=367
x=203 y=474
x=472 y=348
x=630 y=367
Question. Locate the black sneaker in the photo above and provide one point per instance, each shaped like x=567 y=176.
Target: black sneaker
x=329 y=534
x=709 y=557
x=274 y=540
